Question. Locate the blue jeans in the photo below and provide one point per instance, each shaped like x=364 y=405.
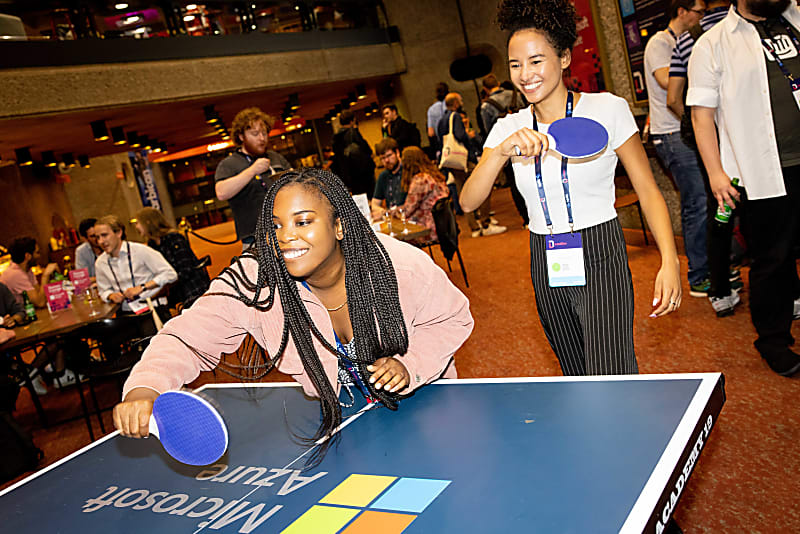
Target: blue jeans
x=684 y=164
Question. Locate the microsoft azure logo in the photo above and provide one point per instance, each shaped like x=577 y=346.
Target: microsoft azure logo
x=365 y=504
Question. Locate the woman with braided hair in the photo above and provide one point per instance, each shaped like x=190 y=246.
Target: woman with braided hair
x=579 y=263
x=327 y=301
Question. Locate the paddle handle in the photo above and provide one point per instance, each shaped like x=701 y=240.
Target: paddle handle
x=153 y=427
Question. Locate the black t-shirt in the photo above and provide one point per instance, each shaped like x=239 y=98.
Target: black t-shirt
x=785 y=113
x=246 y=204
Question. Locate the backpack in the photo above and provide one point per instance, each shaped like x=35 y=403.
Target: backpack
x=687 y=129
x=353 y=149
x=501 y=112
x=18 y=454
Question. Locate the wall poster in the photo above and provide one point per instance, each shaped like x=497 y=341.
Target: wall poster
x=640 y=20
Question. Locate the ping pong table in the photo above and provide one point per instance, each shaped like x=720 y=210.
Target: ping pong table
x=566 y=454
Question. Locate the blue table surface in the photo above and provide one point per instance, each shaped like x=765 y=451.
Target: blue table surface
x=529 y=456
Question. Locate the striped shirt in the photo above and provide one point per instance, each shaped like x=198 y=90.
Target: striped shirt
x=683 y=49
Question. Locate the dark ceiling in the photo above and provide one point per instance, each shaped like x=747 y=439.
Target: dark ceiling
x=180 y=124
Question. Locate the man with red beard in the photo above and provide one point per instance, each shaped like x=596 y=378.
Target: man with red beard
x=743 y=80
x=244 y=176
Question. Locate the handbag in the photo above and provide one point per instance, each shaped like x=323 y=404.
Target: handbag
x=454 y=154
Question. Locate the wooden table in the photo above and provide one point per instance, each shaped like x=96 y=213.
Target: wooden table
x=399 y=228
x=60 y=322
x=49 y=325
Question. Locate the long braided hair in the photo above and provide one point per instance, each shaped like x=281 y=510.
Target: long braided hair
x=373 y=301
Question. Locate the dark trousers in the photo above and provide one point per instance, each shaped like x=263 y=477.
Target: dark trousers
x=771 y=230
x=719 y=238
x=590 y=328
x=519 y=200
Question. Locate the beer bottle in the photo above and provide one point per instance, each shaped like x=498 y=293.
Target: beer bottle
x=723 y=214
x=30 y=309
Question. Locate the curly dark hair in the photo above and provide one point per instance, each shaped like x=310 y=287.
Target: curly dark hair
x=555 y=18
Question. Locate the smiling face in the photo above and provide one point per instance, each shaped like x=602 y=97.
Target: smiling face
x=534 y=65
x=308 y=237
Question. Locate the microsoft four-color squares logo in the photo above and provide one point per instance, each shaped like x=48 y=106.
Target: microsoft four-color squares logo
x=366 y=504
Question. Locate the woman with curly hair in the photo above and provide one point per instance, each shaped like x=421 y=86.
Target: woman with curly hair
x=424 y=185
x=327 y=301
x=585 y=303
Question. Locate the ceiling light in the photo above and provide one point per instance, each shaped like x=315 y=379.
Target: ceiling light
x=99 y=130
x=191 y=7
x=211 y=114
x=68 y=159
x=361 y=91
x=133 y=140
x=83 y=160
x=147 y=144
x=188 y=18
x=121 y=6
x=352 y=99
x=23 y=156
x=49 y=159
x=118 y=135
x=294 y=101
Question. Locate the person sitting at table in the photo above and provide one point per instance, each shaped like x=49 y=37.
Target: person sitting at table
x=19 y=277
x=300 y=292
x=192 y=282
x=388 y=192
x=86 y=253
x=424 y=185
x=128 y=273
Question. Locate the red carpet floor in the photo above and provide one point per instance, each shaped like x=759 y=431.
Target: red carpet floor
x=747 y=478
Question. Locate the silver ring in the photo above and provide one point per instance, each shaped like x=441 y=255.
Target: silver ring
x=517 y=151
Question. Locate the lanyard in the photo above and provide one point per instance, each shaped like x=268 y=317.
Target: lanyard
x=564 y=177
x=348 y=364
x=130 y=266
x=769 y=48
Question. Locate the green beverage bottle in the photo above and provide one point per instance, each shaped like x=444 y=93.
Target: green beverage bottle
x=723 y=214
x=30 y=309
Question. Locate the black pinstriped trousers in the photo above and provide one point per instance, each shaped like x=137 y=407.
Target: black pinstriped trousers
x=590 y=328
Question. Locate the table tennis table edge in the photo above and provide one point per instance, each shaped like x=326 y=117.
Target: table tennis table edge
x=657 y=489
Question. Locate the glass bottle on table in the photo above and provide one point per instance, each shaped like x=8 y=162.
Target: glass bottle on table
x=30 y=309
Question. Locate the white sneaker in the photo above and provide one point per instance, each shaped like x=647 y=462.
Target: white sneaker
x=67 y=379
x=476 y=233
x=492 y=220
x=38 y=383
x=796 y=309
x=723 y=306
x=493 y=229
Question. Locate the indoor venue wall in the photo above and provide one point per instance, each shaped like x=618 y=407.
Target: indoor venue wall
x=28 y=202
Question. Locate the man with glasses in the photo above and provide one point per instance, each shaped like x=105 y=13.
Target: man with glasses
x=388 y=189
x=244 y=176
x=665 y=129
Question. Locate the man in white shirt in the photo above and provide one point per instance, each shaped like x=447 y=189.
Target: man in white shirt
x=681 y=160
x=738 y=85
x=128 y=273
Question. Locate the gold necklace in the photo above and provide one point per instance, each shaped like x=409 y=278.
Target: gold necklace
x=339 y=307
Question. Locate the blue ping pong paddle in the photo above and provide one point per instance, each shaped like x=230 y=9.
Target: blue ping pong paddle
x=576 y=137
x=190 y=429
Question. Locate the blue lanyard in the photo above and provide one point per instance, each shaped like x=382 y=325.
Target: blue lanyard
x=564 y=176
x=348 y=364
x=768 y=46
